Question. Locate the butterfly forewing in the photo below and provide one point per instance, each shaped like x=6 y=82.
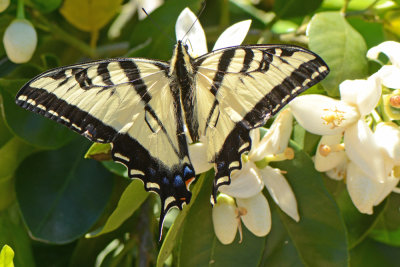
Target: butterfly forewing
x=128 y=103
x=243 y=87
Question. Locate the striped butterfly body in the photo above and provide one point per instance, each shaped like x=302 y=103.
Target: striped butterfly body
x=150 y=110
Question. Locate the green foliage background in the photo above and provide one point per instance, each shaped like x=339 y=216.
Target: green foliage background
x=58 y=208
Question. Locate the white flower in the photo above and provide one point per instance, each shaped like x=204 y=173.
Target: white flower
x=189 y=30
x=227 y=216
x=4 y=4
x=325 y=116
x=127 y=12
x=20 y=41
x=248 y=182
x=389 y=73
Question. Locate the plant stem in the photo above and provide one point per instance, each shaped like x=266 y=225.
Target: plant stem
x=20 y=10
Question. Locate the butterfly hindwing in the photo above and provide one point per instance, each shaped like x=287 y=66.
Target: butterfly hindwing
x=130 y=104
x=239 y=88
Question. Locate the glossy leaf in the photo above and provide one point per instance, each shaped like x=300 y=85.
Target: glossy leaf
x=387 y=228
x=11 y=155
x=357 y=224
x=46 y=6
x=342 y=48
x=132 y=198
x=293 y=8
x=207 y=250
x=318 y=214
x=170 y=240
x=371 y=253
x=5 y=133
x=279 y=248
x=33 y=128
x=88 y=15
x=61 y=195
x=13 y=233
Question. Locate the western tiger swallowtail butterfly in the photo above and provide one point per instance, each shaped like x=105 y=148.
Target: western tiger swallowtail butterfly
x=150 y=110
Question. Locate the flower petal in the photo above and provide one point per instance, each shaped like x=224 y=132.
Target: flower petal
x=325 y=163
x=20 y=41
x=224 y=217
x=390 y=48
x=198 y=157
x=149 y=6
x=323 y=115
x=387 y=136
x=389 y=76
x=390 y=183
x=363 y=190
x=363 y=93
x=280 y=191
x=277 y=138
x=258 y=216
x=195 y=38
x=245 y=182
x=234 y=35
x=339 y=172
x=361 y=148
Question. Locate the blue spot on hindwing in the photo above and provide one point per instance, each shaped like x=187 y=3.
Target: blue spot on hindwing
x=178 y=181
x=187 y=172
x=165 y=180
x=152 y=171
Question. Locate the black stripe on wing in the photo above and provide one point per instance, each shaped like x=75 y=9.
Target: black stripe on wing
x=47 y=104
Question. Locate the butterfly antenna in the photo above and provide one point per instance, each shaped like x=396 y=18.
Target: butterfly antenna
x=155 y=25
x=203 y=6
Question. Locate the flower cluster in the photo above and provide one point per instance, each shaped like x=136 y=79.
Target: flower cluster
x=243 y=199
x=356 y=143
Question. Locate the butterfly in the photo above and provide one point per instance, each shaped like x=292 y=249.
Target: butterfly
x=151 y=110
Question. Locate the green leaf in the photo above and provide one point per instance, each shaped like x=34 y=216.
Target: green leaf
x=342 y=47
x=132 y=198
x=5 y=133
x=371 y=254
x=88 y=15
x=46 y=6
x=279 y=248
x=320 y=235
x=199 y=245
x=372 y=32
x=358 y=225
x=293 y=8
x=116 y=168
x=13 y=233
x=166 y=15
x=33 y=128
x=170 y=240
x=6 y=257
x=387 y=229
x=11 y=154
x=61 y=195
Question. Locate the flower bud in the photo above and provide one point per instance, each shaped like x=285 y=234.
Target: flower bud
x=225 y=219
x=20 y=41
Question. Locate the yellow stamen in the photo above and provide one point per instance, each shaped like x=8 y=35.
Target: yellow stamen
x=333 y=117
x=395 y=101
x=325 y=150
